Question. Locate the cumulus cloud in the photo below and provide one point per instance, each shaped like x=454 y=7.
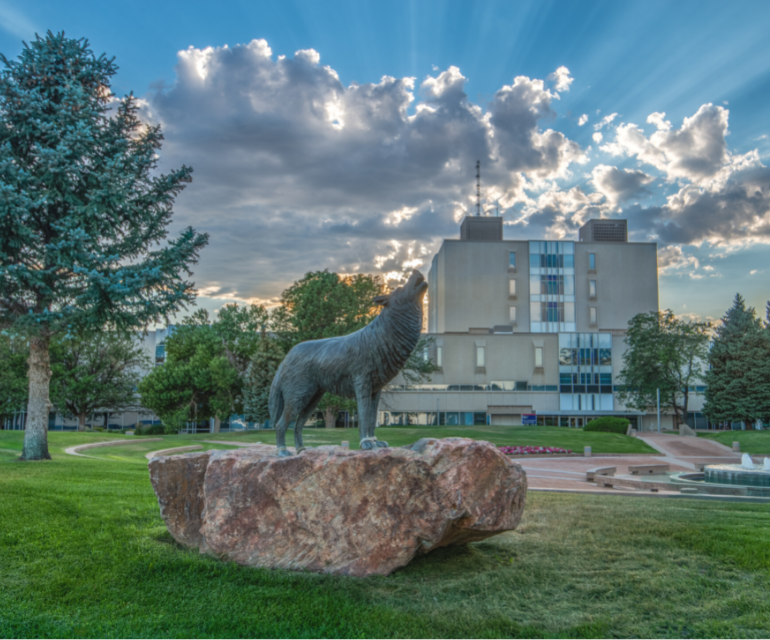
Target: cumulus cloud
x=619 y=185
x=295 y=171
x=672 y=258
x=696 y=151
x=597 y=137
x=582 y=120
x=562 y=79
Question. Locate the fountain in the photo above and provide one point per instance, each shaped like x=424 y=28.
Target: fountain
x=746 y=473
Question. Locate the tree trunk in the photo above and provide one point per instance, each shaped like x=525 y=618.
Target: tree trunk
x=36 y=431
x=330 y=417
x=82 y=421
x=217 y=425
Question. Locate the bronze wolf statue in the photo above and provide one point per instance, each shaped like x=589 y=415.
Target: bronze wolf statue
x=356 y=366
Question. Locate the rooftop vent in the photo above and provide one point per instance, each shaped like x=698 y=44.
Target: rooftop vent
x=603 y=230
x=481 y=228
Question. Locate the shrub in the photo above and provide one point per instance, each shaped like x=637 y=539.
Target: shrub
x=608 y=424
x=149 y=430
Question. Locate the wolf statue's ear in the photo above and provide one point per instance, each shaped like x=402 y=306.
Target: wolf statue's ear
x=382 y=300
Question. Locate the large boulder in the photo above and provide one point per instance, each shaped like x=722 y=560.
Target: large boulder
x=333 y=510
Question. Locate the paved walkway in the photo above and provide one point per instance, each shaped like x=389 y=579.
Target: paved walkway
x=679 y=452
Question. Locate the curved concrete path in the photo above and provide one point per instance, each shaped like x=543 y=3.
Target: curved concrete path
x=165 y=452
x=75 y=451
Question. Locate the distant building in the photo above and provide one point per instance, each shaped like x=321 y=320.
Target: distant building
x=525 y=327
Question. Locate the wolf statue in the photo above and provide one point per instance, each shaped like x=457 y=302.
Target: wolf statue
x=356 y=366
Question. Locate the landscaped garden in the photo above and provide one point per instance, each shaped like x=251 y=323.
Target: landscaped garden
x=84 y=552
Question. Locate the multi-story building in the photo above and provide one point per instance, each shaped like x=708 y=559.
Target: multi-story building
x=525 y=328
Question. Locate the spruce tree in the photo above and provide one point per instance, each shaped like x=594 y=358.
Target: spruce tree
x=83 y=211
x=738 y=381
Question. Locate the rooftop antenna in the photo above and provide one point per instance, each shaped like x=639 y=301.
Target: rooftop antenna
x=478 y=187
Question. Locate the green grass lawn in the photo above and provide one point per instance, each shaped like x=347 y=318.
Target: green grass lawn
x=83 y=552
x=751 y=441
x=574 y=439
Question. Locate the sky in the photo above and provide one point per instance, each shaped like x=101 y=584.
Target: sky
x=344 y=135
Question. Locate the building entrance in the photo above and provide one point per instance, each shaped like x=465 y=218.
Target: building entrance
x=576 y=422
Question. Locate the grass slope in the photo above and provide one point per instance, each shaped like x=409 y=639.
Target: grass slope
x=83 y=552
x=751 y=441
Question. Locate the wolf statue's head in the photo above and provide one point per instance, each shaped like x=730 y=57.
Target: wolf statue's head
x=408 y=296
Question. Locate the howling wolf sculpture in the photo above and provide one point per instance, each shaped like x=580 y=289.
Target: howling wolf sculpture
x=357 y=365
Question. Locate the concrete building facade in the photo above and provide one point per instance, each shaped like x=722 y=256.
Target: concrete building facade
x=525 y=328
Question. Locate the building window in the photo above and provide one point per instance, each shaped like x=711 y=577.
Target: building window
x=512 y=288
x=160 y=354
x=513 y=315
x=480 y=357
x=592 y=288
x=592 y=314
x=592 y=261
x=425 y=355
x=538 y=357
x=439 y=356
x=512 y=259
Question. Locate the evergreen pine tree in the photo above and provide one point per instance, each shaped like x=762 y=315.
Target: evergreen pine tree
x=259 y=376
x=83 y=211
x=738 y=381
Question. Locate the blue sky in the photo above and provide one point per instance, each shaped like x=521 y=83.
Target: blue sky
x=300 y=166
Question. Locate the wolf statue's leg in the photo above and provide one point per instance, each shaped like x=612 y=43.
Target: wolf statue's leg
x=375 y=404
x=280 y=432
x=364 y=399
x=302 y=419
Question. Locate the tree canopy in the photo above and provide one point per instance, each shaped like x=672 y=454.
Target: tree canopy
x=259 y=376
x=325 y=305
x=206 y=362
x=738 y=379
x=13 y=374
x=84 y=210
x=99 y=370
x=664 y=353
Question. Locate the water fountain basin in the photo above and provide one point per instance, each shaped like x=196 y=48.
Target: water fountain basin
x=737 y=474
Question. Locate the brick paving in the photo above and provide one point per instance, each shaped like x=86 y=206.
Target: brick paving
x=679 y=452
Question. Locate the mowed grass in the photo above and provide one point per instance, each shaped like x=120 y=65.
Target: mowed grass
x=84 y=553
x=573 y=439
x=751 y=441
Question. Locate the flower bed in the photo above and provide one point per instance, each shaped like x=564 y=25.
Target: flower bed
x=514 y=451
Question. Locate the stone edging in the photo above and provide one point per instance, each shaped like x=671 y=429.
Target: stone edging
x=165 y=452
x=537 y=456
x=75 y=451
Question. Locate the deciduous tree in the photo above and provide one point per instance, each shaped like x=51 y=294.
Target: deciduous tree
x=664 y=353
x=325 y=305
x=259 y=376
x=93 y=371
x=83 y=211
x=197 y=381
x=14 y=354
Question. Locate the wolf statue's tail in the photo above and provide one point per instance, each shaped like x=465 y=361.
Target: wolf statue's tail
x=275 y=403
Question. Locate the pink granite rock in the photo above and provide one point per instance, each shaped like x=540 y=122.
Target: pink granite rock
x=333 y=510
